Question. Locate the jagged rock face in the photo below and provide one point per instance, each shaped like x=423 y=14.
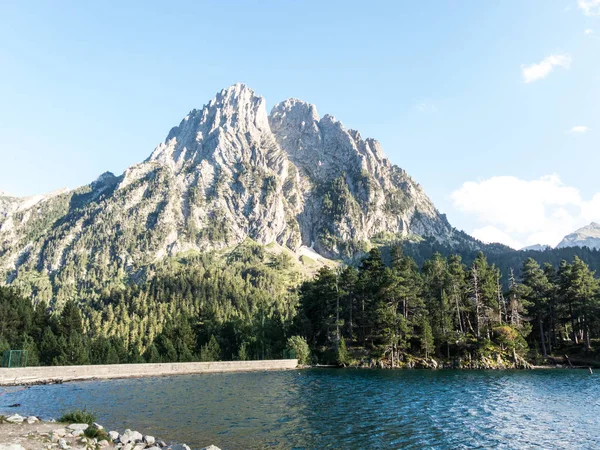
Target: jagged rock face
x=351 y=191
x=228 y=172
x=588 y=236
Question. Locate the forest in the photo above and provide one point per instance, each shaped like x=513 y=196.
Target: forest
x=254 y=305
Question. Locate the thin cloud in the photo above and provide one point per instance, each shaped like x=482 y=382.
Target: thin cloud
x=589 y=7
x=589 y=32
x=426 y=107
x=580 y=129
x=541 y=70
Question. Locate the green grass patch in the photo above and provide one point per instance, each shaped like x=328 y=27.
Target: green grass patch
x=78 y=416
x=307 y=261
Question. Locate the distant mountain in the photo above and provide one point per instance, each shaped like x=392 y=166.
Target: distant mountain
x=536 y=247
x=588 y=236
x=227 y=173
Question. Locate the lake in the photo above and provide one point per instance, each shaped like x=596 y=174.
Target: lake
x=345 y=409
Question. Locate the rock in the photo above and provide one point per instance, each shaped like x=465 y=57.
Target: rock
x=140 y=446
x=98 y=426
x=63 y=444
x=154 y=448
x=127 y=446
x=77 y=433
x=113 y=435
x=161 y=443
x=211 y=447
x=11 y=447
x=149 y=440
x=131 y=436
x=60 y=432
x=180 y=447
x=32 y=419
x=103 y=443
x=78 y=426
x=15 y=418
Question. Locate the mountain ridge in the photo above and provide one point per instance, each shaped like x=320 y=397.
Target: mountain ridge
x=586 y=236
x=229 y=171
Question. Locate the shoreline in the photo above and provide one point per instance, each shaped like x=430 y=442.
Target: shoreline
x=28 y=376
x=30 y=433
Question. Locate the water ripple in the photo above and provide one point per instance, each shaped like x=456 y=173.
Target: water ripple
x=343 y=409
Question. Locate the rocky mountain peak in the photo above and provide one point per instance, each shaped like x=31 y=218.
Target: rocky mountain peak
x=226 y=173
x=233 y=113
x=587 y=236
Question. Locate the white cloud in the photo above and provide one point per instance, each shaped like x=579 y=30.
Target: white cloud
x=589 y=32
x=490 y=234
x=519 y=212
x=580 y=129
x=541 y=70
x=589 y=7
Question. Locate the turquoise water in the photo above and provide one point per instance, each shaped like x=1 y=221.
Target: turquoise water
x=345 y=409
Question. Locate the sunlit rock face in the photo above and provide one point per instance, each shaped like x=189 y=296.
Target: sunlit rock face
x=588 y=236
x=229 y=171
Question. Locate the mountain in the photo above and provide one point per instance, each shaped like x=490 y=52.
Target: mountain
x=588 y=236
x=226 y=173
x=536 y=247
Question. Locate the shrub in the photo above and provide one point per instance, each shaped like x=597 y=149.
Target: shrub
x=78 y=416
x=93 y=432
x=299 y=345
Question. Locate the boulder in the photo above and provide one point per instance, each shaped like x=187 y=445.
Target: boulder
x=127 y=446
x=77 y=433
x=180 y=447
x=63 y=444
x=32 y=419
x=140 y=446
x=161 y=443
x=149 y=440
x=60 y=432
x=154 y=448
x=15 y=418
x=211 y=447
x=103 y=443
x=131 y=436
x=113 y=435
x=78 y=426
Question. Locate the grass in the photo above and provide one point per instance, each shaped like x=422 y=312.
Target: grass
x=2 y=418
x=78 y=416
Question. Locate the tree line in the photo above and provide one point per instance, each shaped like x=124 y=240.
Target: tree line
x=252 y=305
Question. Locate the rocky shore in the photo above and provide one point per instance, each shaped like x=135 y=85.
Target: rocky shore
x=30 y=433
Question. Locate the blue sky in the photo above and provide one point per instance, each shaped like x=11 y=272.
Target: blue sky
x=482 y=102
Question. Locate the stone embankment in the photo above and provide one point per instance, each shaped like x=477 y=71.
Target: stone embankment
x=59 y=374
x=29 y=433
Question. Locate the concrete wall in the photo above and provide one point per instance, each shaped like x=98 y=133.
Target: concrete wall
x=32 y=375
